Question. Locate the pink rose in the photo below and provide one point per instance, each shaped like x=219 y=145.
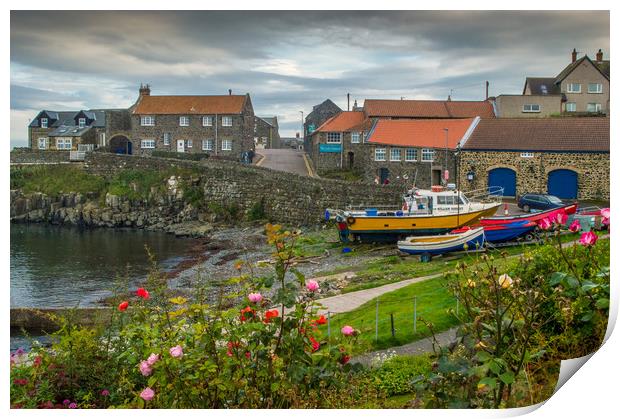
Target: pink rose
x=152 y=359
x=545 y=224
x=588 y=239
x=561 y=218
x=145 y=368
x=255 y=297
x=605 y=215
x=312 y=285
x=176 y=352
x=347 y=330
x=147 y=394
x=575 y=226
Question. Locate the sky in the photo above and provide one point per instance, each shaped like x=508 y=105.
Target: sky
x=287 y=61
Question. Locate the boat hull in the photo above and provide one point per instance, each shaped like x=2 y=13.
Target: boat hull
x=436 y=245
x=391 y=228
x=535 y=217
x=500 y=233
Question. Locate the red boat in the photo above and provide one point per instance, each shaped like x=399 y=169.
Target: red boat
x=535 y=217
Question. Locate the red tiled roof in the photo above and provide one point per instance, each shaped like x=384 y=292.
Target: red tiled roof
x=419 y=132
x=427 y=108
x=586 y=134
x=344 y=121
x=179 y=105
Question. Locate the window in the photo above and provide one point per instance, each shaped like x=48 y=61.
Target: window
x=207 y=121
x=395 y=154
x=184 y=121
x=531 y=108
x=571 y=107
x=207 y=145
x=379 y=154
x=411 y=154
x=594 y=107
x=447 y=200
x=428 y=154
x=333 y=137
x=147 y=144
x=227 y=121
x=43 y=143
x=64 y=144
x=190 y=143
x=82 y=122
x=595 y=88
x=167 y=138
x=573 y=88
x=147 y=121
x=226 y=145
x=355 y=138
x=527 y=154
x=43 y=122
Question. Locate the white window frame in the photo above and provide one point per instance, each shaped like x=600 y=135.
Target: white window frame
x=413 y=151
x=570 y=86
x=207 y=145
x=64 y=143
x=147 y=144
x=184 y=121
x=189 y=143
x=393 y=152
x=207 y=121
x=597 y=107
x=227 y=145
x=147 y=121
x=527 y=154
x=574 y=107
x=334 y=138
x=380 y=152
x=227 y=121
x=355 y=137
x=598 y=90
x=102 y=139
x=531 y=108
x=167 y=138
x=81 y=122
x=45 y=143
x=427 y=151
x=44 y=122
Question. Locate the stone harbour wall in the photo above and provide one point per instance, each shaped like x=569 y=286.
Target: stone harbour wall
x=35 y=156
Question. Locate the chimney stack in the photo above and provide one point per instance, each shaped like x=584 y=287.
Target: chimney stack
x=229 y=92
x=574 y=55
x=599 y=55
x=145 y=90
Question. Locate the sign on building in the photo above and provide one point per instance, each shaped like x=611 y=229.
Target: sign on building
x=330 y=148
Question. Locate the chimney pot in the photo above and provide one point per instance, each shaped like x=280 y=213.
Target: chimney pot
x=574 y=55
x=145 y=89
x=599 y=55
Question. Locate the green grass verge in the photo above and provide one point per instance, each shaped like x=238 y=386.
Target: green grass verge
x=55 y=179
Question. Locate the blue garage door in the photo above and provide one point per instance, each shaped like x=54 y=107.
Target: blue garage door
x=562 y=183
x=505 y=178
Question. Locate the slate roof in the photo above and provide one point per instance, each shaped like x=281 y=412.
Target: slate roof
x=67 y=118
x=568 y=134
x=190 y=105
x=602 y=67
x=428 y=108
x=273 y=121
x=344 y=121
x=69 y=131
x=419 y=132
x=542 y=86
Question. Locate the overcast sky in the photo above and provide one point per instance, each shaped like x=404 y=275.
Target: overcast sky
x=287 y=61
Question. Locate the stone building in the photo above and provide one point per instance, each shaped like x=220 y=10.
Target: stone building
x=266 y=132
x=65 y=130
x=583 y=84
x=320 y=113
x=415 y=152
x=217 y=125
x=566 y=157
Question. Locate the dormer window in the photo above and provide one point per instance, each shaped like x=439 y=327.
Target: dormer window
x=43 y=122
x=82 y=122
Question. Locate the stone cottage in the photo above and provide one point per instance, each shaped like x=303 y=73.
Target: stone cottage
x=566 y=157
x=320 y=113
x=218 y=125
x=266 y=132
x=65 y=130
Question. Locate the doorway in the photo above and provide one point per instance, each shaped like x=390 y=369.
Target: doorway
x=351 y=159
x=436 y=177
x=384 y=174
x=180 y=146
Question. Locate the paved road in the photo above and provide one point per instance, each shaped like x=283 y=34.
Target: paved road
x=284 y=159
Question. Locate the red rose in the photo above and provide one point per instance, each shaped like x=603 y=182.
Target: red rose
x=248 y=310
x=344 y=359
x=123 y=306
x=270 y=314
x=321 y=320
x=315 y=345
x=142 y=293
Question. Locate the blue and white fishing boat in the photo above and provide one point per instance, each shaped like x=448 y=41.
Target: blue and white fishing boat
x=436 y=245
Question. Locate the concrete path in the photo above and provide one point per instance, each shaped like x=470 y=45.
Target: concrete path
x=284 y=159
x=352 y=300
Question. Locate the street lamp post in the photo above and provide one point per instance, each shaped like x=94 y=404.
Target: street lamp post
x=303 y=133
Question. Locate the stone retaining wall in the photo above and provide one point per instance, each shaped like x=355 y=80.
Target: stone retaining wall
x=28 y=156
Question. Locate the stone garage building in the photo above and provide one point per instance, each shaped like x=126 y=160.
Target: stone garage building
x=566 y=157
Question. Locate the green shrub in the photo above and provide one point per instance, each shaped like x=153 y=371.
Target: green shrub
x=257 y=211
x=399 y=374
x=54 y=180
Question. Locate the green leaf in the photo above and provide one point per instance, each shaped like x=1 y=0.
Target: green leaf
x=494 y=367
x=588 y=285
x=483 y=356
x=556 y=278
x=587 y=317
x=507 y=378
x=602 y=303
x=571 y=282
x=489 y=382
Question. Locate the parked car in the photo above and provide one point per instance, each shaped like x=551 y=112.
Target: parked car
x=541 y=202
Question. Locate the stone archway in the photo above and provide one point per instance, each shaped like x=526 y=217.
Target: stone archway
x=120 y=144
